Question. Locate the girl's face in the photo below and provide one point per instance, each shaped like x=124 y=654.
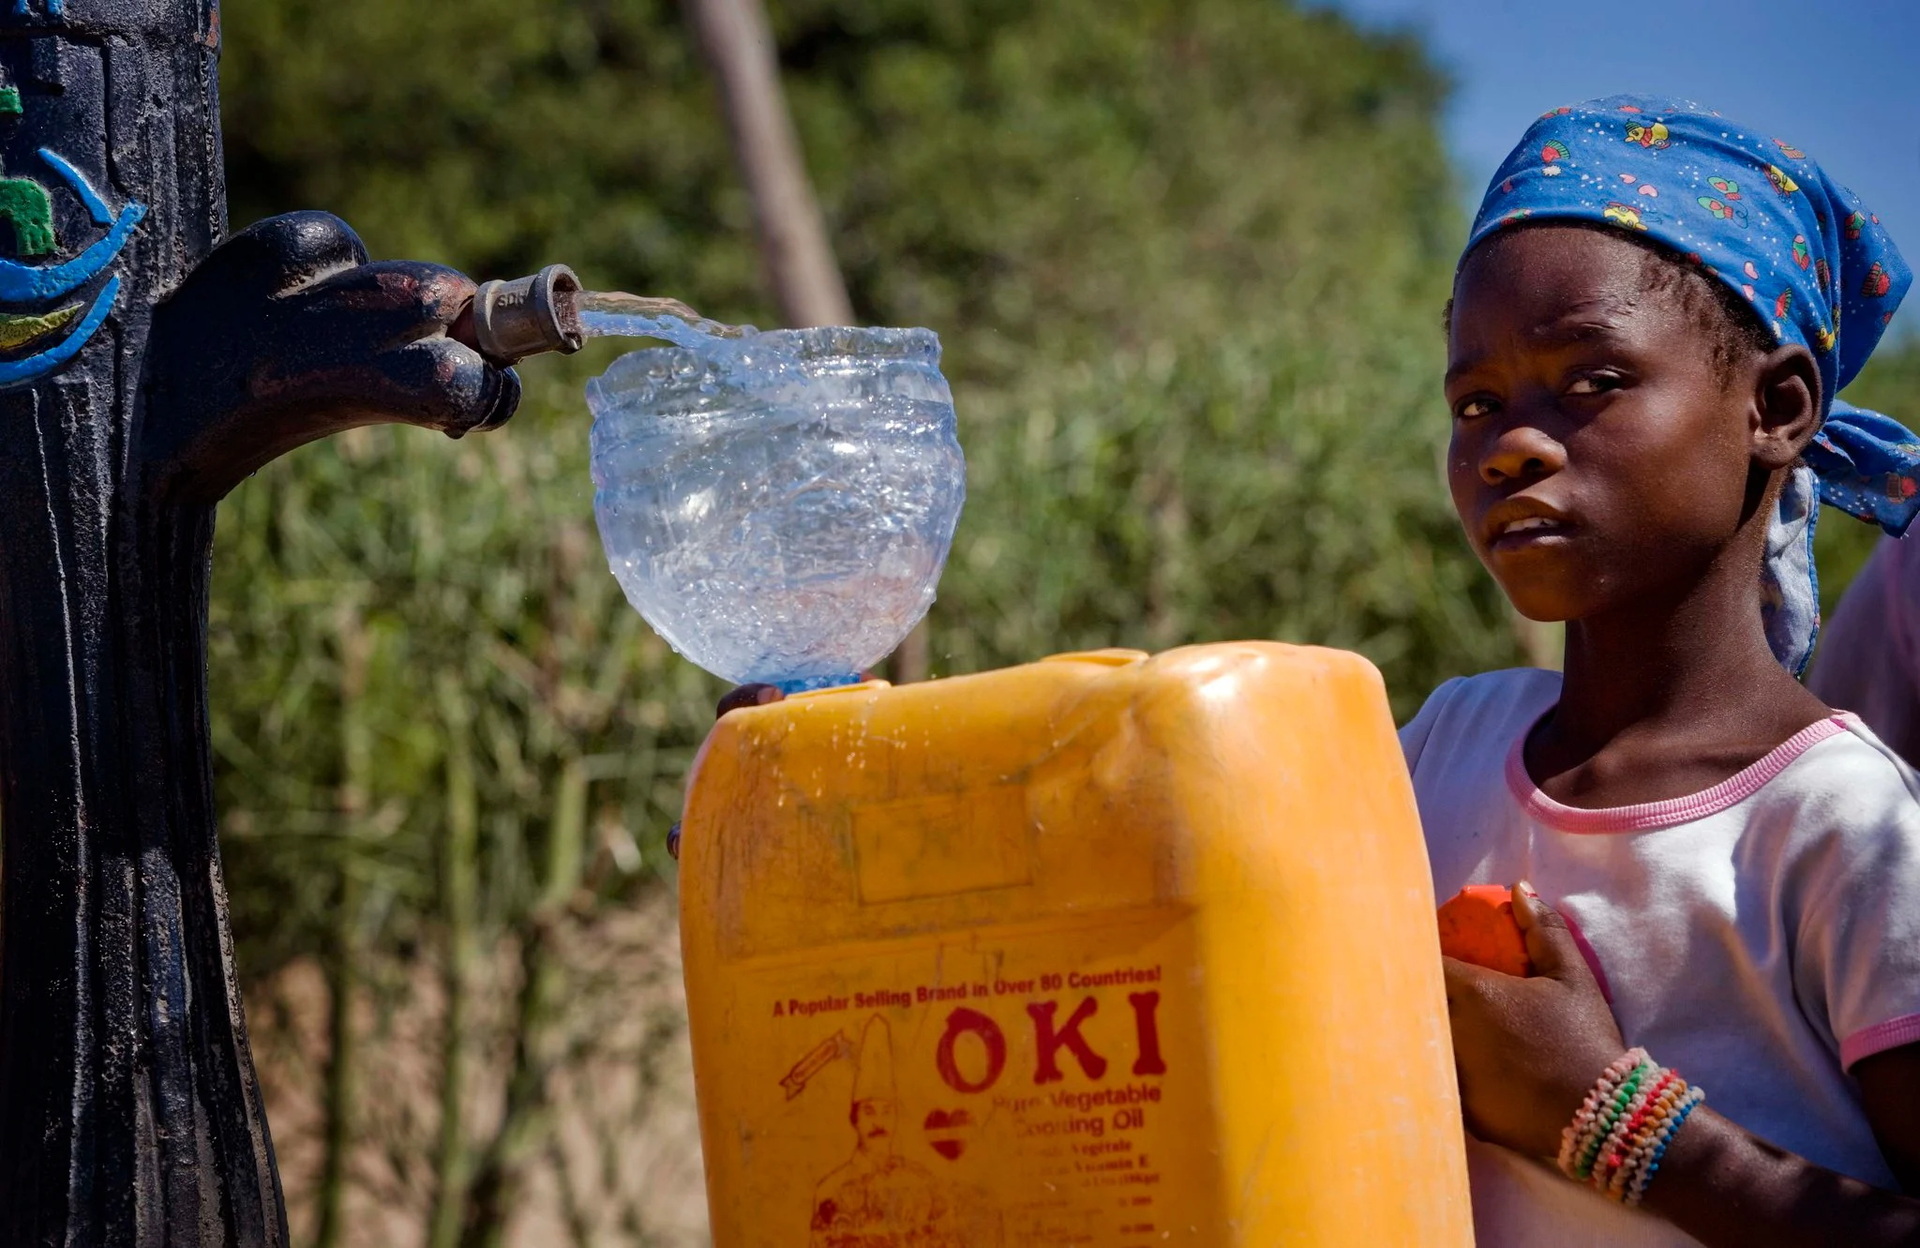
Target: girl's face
x=1599 y=454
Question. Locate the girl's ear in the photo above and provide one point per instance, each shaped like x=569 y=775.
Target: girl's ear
x=1786 y=406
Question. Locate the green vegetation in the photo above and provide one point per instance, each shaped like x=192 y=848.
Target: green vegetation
x=1187 y=257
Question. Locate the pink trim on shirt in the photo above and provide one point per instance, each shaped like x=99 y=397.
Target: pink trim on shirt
x=1879 y=1038
x=1592 y=958
x=1649 y=816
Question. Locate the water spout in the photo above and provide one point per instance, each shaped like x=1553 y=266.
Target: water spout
x=549 y=311
x=510 y=321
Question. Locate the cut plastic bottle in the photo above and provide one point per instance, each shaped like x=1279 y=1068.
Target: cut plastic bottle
x=779 y=506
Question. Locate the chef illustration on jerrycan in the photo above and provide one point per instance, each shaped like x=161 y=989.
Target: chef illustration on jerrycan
x=1058 y=955
x=879 y=1197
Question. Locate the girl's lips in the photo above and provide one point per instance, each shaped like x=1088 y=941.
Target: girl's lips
x=1529 y=532
x=1523 y=520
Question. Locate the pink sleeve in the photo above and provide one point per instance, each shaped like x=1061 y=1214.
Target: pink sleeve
x=1856 y=894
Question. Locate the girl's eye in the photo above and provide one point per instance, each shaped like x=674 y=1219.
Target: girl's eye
x=1594 y=383
x=1474 y=409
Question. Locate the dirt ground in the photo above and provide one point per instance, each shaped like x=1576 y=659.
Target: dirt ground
x=617 y=1164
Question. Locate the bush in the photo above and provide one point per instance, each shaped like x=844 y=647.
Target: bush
x=1186 y=258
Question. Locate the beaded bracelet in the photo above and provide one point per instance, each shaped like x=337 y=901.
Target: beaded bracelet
x=1693 y=1097
x=1622 y=1129
x=1616 y=1101
x=1605 y=1152
x=1576 y=1131
x=1629 y=1152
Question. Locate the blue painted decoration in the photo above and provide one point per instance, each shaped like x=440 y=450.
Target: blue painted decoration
x=22 y=372
x=96 y=206
x=42 y=284
x=23 y=283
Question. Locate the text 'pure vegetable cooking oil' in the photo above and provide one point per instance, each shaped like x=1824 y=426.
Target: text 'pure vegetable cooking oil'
x=1104 y=950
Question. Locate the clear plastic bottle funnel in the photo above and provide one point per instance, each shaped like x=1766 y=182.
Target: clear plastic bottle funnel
x=779 y=506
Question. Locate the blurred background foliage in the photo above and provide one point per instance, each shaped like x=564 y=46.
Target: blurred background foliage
x=1187 y=258
x=1890 y=383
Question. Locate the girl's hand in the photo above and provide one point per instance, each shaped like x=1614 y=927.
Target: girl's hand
x=741 y=696
x=1527 y=1050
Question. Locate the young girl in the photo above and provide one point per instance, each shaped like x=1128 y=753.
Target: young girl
x=1649 y=325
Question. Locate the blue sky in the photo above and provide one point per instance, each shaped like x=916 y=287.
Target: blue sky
x=1838 y=78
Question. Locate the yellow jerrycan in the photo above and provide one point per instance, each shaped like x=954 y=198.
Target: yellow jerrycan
x=1103 y=950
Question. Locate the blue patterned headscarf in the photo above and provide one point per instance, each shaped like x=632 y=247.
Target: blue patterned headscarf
x=1760 y=215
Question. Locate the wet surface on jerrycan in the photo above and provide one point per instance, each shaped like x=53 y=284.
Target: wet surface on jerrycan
x=1099 y=951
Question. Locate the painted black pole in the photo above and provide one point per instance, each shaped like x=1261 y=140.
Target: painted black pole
x=145 y=368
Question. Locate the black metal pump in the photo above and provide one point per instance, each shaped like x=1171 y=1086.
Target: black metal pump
x=148 y=363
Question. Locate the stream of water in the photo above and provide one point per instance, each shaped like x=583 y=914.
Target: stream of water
x=616 y=314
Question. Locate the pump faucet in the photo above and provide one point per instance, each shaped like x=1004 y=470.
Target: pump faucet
x=509 y=321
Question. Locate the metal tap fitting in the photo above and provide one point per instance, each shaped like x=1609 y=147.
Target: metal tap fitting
x=528 y=316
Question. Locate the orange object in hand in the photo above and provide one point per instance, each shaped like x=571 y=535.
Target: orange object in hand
x=1478 y=926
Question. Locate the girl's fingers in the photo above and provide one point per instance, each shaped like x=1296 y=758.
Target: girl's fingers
x=742 y=696
x=745 y=696
x=1550 y=945
x=1462 y=978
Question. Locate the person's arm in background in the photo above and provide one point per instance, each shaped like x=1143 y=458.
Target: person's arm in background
x=1866 y=661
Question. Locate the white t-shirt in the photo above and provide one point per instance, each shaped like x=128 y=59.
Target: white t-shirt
x=1758 y=937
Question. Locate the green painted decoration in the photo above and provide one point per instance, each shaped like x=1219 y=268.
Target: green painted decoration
x=25 y=205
